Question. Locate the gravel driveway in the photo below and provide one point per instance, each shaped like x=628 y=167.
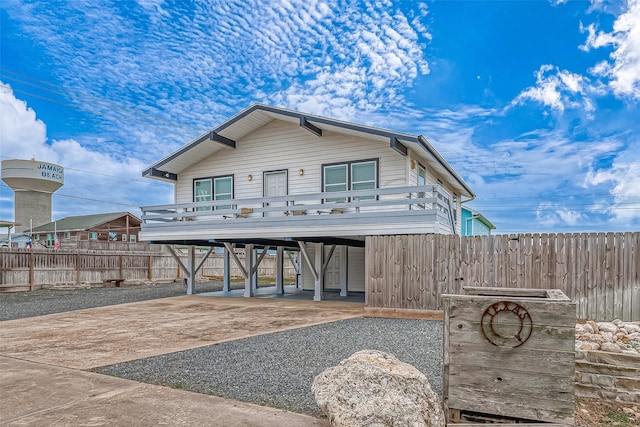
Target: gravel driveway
x=277 y=369
x=274 y=369
x=18 y=305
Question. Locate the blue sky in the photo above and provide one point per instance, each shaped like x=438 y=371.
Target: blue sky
x=536 y=104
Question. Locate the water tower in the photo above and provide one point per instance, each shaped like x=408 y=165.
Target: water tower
x=33 y=183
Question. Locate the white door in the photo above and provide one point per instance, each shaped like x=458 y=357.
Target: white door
x=275 y=184
x=332 y=275
x=335 y=277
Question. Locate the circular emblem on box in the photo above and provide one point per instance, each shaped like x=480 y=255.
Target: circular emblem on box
x=506 y=324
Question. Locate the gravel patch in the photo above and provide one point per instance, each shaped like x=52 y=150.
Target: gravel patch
x=278 y=369
x=18 y=305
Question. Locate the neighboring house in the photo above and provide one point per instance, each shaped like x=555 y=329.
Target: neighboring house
x=117 y=226
x=276 y=178
x=474 y=223
x=18 y=240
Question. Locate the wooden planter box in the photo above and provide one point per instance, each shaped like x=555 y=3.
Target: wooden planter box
x=509 y=356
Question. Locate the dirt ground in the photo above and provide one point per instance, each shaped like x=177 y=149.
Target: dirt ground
x=598 y=412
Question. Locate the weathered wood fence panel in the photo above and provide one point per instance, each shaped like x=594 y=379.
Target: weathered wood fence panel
x=599 y=271
x=49 y=267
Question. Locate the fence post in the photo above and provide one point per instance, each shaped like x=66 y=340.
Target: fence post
x=78 y=265
x=149 y=267
x=31 y=271
x=120 y=267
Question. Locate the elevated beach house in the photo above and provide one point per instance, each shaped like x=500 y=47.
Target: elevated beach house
x=303 y=186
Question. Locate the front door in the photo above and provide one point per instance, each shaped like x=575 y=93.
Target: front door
x=275 y=184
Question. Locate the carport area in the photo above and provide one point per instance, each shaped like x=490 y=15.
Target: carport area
x=43 y=360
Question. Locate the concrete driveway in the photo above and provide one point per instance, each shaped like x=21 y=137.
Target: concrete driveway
x=42 y=361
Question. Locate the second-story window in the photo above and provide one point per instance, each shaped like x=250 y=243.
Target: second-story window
x=211 y=189
x=357 y=175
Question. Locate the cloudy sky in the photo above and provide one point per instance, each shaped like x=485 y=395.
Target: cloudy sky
x=536 y=104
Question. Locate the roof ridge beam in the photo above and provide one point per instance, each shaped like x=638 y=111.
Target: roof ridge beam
x=310 y=127
x=213 y=136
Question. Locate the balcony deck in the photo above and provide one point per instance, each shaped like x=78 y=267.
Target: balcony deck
x=318 y=216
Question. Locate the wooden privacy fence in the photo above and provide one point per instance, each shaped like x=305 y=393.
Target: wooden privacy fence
x=39 y=267
x=599 y=271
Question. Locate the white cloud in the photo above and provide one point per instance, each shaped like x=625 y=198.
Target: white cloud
x=89 y=174
x=330 y=57
x=623 y=68
x=22 y=135
x=552 y=215
x=558 y=89
x=623 y=177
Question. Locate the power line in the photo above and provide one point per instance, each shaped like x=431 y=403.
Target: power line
x=124 y=178
x=94 y=112
x=69 y=196
x=84 y=96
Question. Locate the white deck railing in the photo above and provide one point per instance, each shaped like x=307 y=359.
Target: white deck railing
x=414 y=204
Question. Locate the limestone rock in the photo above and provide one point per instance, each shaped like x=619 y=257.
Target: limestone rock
x=609 y=346
x=607 y=327
x=373 y=388
x=626 y=337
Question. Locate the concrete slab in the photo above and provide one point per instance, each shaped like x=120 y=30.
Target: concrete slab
x=103 y=336
x=34 y=394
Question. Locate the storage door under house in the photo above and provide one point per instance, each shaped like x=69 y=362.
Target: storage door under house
x=354 y=266
x=275 y=184
x=332 y=277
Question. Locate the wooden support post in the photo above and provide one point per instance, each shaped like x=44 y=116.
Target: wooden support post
x=344 y=254
x=248 y=266
x=279 y=270
x=232 y=252
x=319 y=278
x=191 y=271
x=226 y=282
x=254 y=263
x=296 y=266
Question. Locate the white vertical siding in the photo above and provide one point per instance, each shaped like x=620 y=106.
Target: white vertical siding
x=356 y=272
x=432 y=177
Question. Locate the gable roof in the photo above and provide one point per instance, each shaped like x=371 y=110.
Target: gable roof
x=480 y=217
x=83 y=222
x=224 y=137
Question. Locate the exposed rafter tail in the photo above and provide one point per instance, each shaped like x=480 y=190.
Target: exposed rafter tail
x=222 y=139
x=397 y=145
x=310 y=127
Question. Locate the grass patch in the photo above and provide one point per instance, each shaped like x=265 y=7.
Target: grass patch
x=618 y=418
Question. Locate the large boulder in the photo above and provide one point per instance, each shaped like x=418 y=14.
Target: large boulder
x=372 y=388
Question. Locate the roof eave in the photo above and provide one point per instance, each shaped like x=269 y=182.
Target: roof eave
x=424 y=143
